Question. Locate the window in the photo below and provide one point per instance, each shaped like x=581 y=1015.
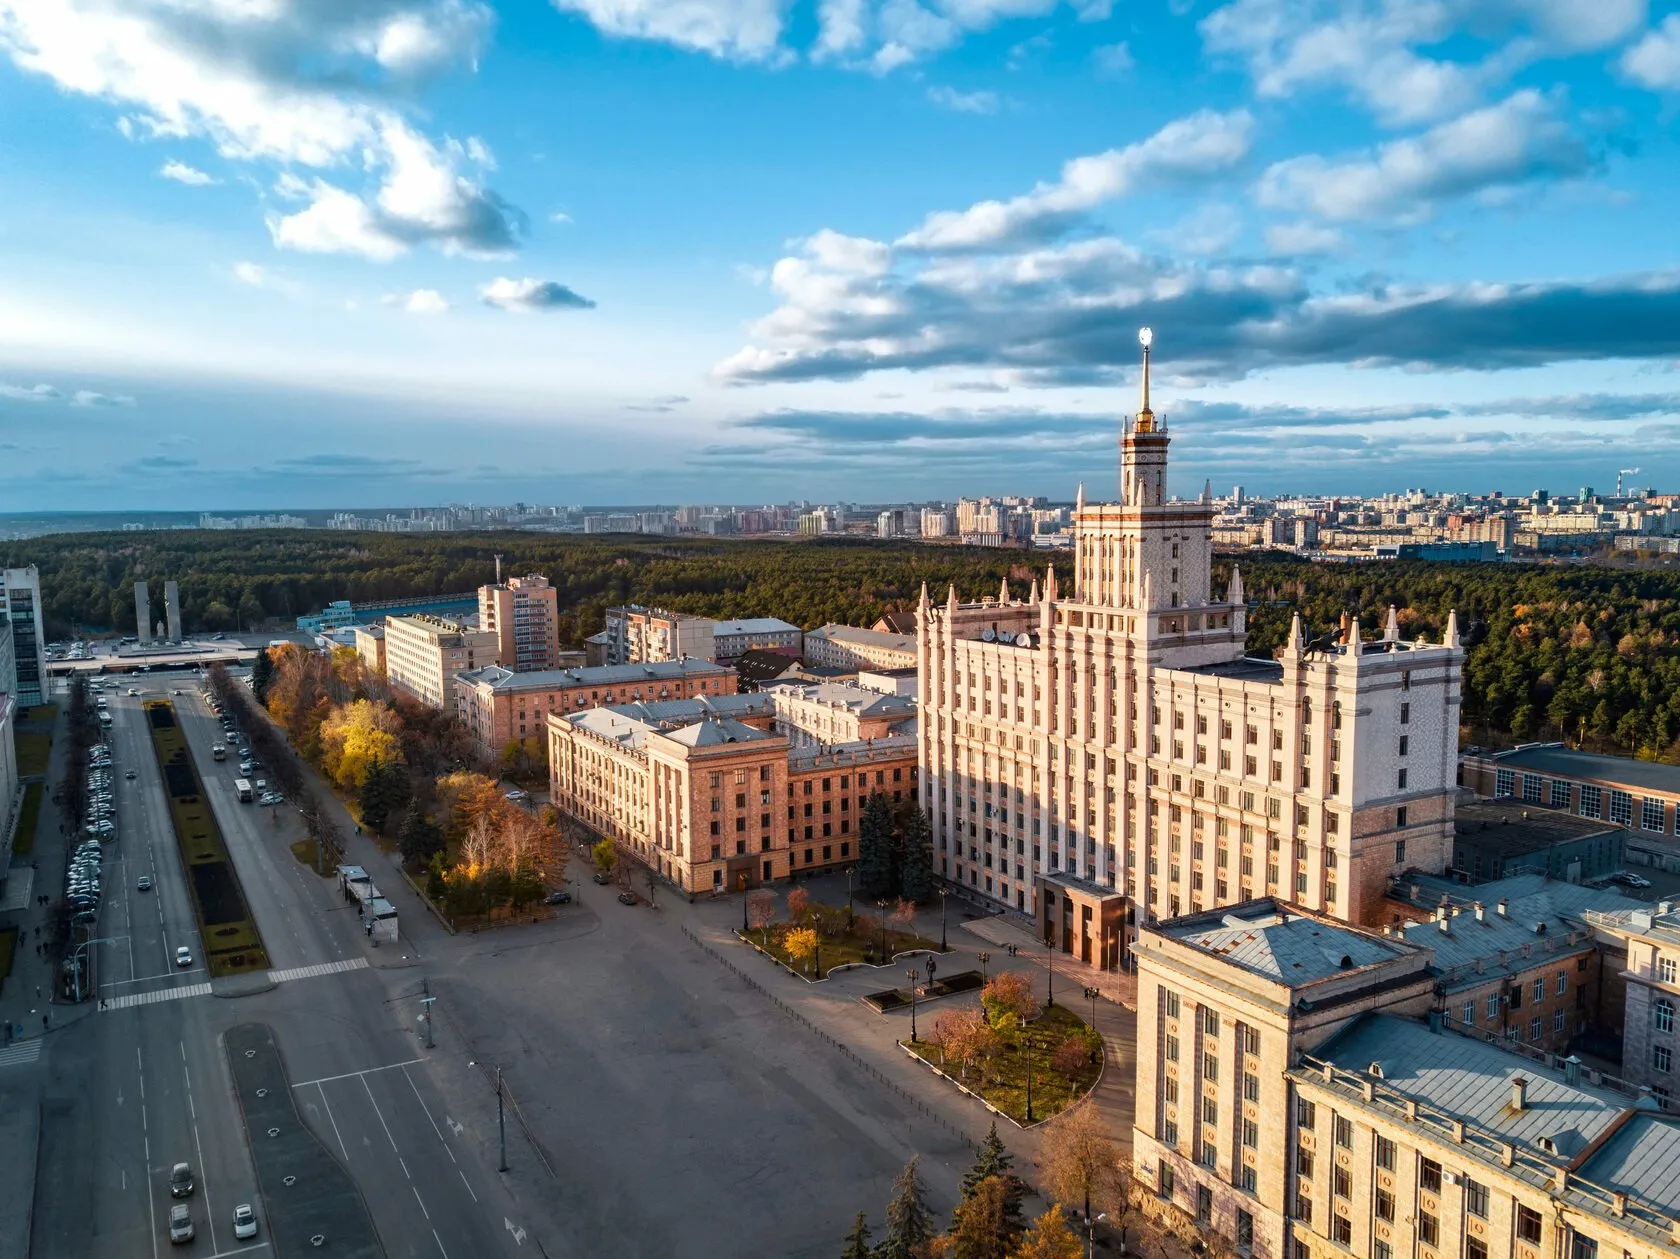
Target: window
x=1341 y=1182
x=1539 y=989
x=1582 y=1247
x=1429 y=1229
x=1344 y=1132
x=1475 y=1248
x=1172 y=1049
x=1400 y=852
x=1381 y=1250
x=1169 y=1089
x=1650 y=814
x=1341 y=1231
x=1400 y=780
x=1303 y=1209
x=1662 y=1058
x=1251 y=1134
x=1251 y=1087
x=1210 y=1109
x=1405 y=744
x=1245 y=1221
x=1204 y=1204
x=1385 y=1205
x=1303 y=1162
x=1528 y=1225
x=1476 y=1199
x=1385 y=1154
x=1665 y=969
x=1172 y=1005
x=1621 y=808
x=1400 y=816
x=1302 y=1250
x=1468 y=1014
x=1169 y=1132
x=1429 y=1175
x=1164 y=1178
x=1492 y=1006
x=1591 y=801
x=1210 y=1066
x=1306 y=1113
x=1251 y=1040
x=1531 y=785
x=1504 y=781
x=1558 y=794
x=1662 y=1015
x=1210 y=1021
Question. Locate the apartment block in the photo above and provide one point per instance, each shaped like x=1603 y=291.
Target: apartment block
x=638 y=635
x=715 y=802
x=1110 y=755
x=20 y=604
x=423 y=655
x=848 y=647
x=1646 y=949
x=370 y=646
x=733 y=639
x=1305 y=1104
x=524 y=613
x=499 y=705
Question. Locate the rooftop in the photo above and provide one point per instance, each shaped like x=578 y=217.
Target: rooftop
x=855 y=699
x=865 y=637
x=1525 y=890
x=499 y=678
x=753 y=625
x=715 y=731
x=1470 y=1080
x=1247 y=668
x=1270 y=938
x=1642 y=1159
x=674 y=711
x=1511 y=828
x=1554 y=758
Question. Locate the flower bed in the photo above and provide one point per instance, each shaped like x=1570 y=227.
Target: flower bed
x=999 y=1077
x=837 y=946
x=899 y=998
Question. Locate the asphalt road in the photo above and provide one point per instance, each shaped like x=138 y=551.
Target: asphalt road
x=131 y=1090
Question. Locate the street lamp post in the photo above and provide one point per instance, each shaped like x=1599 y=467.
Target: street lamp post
x=1026 y=1049
x=1050 y=957
x=850 y=917
x=942 y=944
x=983 y=958
x=1091 y=1231
x=1091 y=995
x=882 y=906
x=914 y=976
x=501 y=1121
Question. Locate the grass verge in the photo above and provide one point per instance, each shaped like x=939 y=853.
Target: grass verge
x=34 y=750
x=8 y=945
x=307 y=853
x=1001 y=1080
x=836 y=944
x=28 y=818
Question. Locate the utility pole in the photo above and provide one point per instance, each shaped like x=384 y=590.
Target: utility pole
x=501 y=1120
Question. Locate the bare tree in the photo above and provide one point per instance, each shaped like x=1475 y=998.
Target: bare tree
x=1078 y=1161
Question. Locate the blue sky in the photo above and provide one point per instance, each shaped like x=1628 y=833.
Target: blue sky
x=262 y=253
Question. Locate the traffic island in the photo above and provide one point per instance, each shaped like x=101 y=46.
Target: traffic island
x=232 y=945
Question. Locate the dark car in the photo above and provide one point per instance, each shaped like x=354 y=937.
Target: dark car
x=626 y=898
x=601 y=877
x=558 y=898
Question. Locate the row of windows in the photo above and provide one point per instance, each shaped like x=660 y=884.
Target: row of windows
x=1590 y=800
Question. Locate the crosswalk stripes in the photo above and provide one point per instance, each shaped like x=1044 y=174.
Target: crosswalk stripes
x=320 y=968
x=150 y=998
x=19 y=1054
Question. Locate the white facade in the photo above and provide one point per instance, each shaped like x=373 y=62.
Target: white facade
x=1118 y=737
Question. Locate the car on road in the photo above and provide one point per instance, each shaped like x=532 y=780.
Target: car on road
x=181 y=1229
x=183 y=957
x=181 y=1180
x=1631 y=880
x=272 y=797
x=131 y=774
x=244 y=1222
x=145 y=883
x=601 y=878
x=558 y=898
x=515 y=794
x=626 y=898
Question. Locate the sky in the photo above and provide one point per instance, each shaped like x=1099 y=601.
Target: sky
x=311 y=253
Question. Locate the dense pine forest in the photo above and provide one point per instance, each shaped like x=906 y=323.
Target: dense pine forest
x=1584 y=653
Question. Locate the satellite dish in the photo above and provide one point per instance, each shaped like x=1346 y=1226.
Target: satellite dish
x=1028 y=640
x=988 y=635
x=1004 y=636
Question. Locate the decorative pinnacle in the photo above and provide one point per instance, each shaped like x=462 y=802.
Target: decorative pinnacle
x=1146 y=417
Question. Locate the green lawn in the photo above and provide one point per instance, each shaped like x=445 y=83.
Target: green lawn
x=1003 y=1080
x=837 y=946
x=8 y=942
x=28 y=819
x=34 y=748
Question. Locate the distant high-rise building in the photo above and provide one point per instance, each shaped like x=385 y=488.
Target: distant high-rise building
x=142 y=612
x=20 y=604
x=172 y=609
x=524 y=612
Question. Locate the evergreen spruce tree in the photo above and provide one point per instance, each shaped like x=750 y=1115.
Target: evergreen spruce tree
x=857 y=1241
x=909 y=1223
x=875 y=849
x=419 y=839
x=916 y=869
x=993 y=1160
x=384 y=793
x=262 y=673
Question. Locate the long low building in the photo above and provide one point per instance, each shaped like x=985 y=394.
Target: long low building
x=499 y=705
x=718 y=801
x=847 y=646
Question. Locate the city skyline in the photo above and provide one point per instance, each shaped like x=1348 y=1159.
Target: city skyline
x=894 y=250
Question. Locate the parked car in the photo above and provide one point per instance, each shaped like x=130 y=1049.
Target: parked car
x=181 y=1180
x=244 y=1222
x=626 y=898
x=1631 y=880
x=183 y=956
x=131 y=774
x=601 y=878
x=181 y=1229
x=558 y=898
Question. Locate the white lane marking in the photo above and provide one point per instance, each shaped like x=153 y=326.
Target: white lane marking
x=334 y=1123
x=421 y=1201
x=351 y=1075
x=468 y=1184
x=320 y=968
x=383 y=1124
x=151 y=1204
x=423 y=1107
x=151 y=998
x=439 y=1241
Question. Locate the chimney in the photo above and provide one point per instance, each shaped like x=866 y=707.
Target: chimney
x=1519 y=1093
x=1443 y=924
x=1572 y=1070
x=1504 y=907
x=1440 y=913
x=1480 y=917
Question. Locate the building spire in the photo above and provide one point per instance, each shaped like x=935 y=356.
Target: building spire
x=1391 y=631
x=1050 y=583
x=1003 y=592
x=1450 y=639
x=1033 y=597
x=1297 y=637
x=1234 y=592
x=1354 y=645
x=1079 y=503
x=951 y=599
x=924 y=599
x=1145 y=417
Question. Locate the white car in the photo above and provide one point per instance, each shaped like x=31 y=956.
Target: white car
x=244 y=1222
x=183 y=956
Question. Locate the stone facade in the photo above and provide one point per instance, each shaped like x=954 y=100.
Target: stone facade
x=524 y=613
x=423 y=655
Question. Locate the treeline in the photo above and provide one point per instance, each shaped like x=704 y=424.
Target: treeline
x=237 y=580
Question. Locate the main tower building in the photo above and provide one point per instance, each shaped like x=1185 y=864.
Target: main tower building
x=1111 y=756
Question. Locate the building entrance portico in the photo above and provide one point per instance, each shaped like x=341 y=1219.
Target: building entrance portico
x=1084 y=920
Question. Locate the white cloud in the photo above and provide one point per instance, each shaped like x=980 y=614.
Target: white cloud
x=742 y=30
x=1502 y=146
x=420 y=302
x=527 y=296
x=29 y=393
x=854 y=255
x=1654 y=62
x=314 y=85
x=1182 y=151
x=977 y=102
x=1208 y=229
x=261 y=277
x=90 y=398
x=1114 y=59
x=1301 y=239
x=181 y=173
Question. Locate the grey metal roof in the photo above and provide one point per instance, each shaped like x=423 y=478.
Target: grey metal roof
x=753 y=625
x=1245 y=668
x=1287 y=947
x=716 y=731
x=1616 y=769
x=865 y=637
x=1642 y=1159
x=502 y=679
x=848 y=695
x=669 y=711
x=1471 y=1080
x=1533 y=901
x=610 y=723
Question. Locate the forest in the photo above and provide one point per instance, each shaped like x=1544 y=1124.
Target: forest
x=1585 y=653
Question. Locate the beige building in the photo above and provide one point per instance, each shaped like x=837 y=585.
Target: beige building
x=818 y=714
x=1644 y=949
x=524 y=614
x=1641 y=796
x=638 y=635
x=848 y=647
x=714 y=801
x=1111 y=755
x=370 y=646
x=423 y=654
x=1296 y=1099
x=499 y=705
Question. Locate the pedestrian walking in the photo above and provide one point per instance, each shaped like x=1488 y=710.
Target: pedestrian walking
x=46 y=1021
